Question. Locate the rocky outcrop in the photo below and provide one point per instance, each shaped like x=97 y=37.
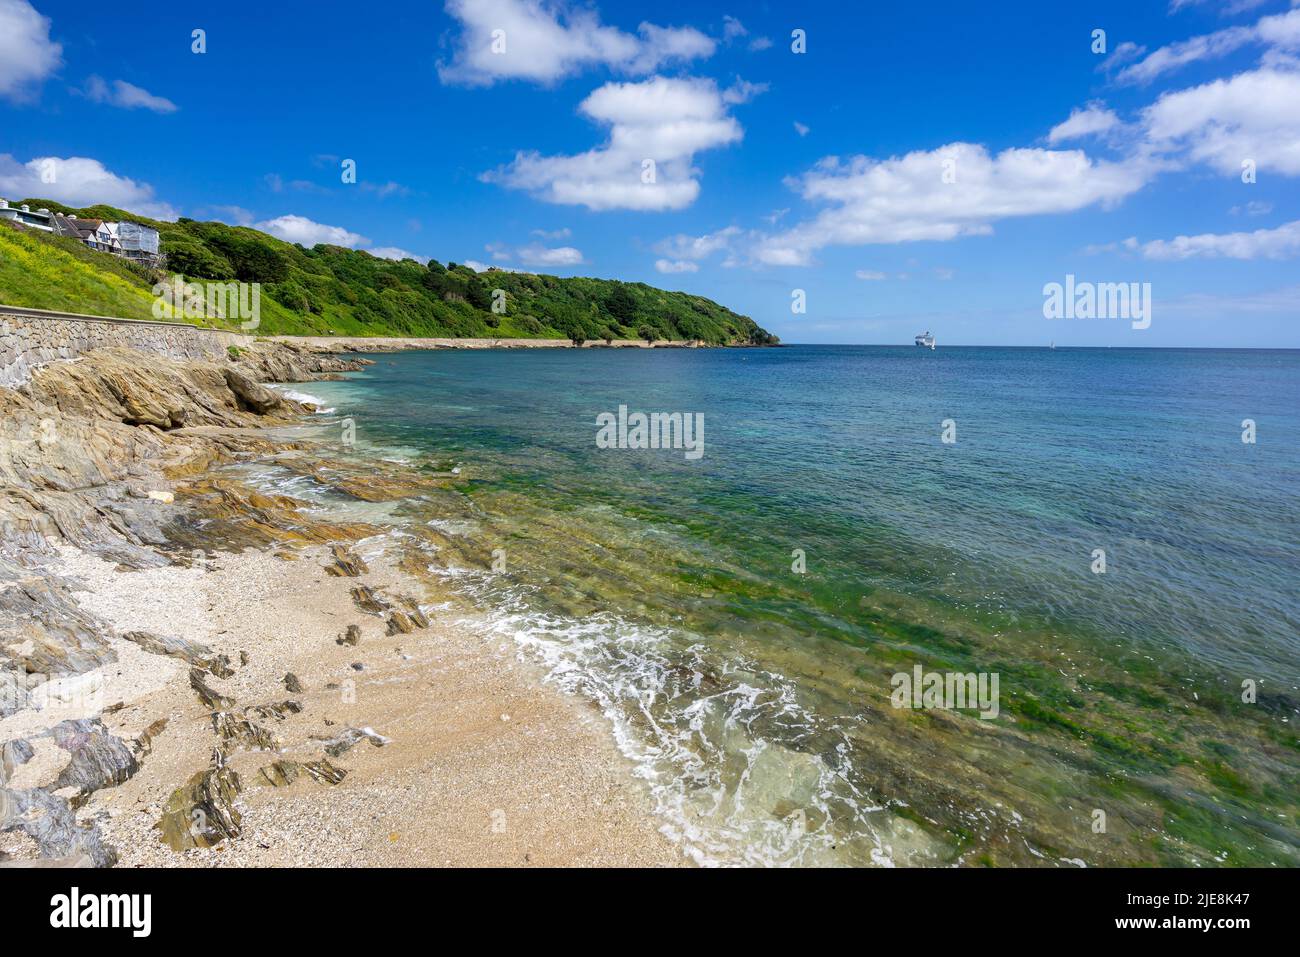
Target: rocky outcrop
x=202 y=813
x=287 y=361
x=101 y=453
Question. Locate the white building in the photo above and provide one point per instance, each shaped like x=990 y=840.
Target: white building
x=41 y=219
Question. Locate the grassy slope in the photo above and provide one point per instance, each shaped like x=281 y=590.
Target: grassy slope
x=329 y=290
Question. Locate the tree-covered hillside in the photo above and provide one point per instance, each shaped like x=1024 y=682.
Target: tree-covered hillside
x=330 y=290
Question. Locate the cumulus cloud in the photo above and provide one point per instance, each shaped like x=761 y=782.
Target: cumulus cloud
x=546 y=40
x=1090 y=121
x=656 y=128
x=78 y=181
x=538 y=255
x=299 y=229
x=1279 y=32
x=27 y=54
x=1280 y=243
x=1252 y=116
x=671 y=266
x=904 y=199
x=125 y=95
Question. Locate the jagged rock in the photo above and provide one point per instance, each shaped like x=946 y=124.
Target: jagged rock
x=51 y=822
x=99 y=758
x=235 y=731
x=144 y=743
x=342 y=742
x=368 y=601
x=292 y=362
x=283 y=773
x=346 y=564
x=277 y=711
x=43 y=635
x=349 y=637
x=250 y=395
x=211 y=699
x=202 y=813
x=192 y=652
x=12 y=754
x=291 y=683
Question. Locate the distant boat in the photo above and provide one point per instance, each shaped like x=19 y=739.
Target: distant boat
x=1053 y=345
x=925 y=340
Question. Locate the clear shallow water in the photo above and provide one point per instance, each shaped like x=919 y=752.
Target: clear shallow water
x=755 y=700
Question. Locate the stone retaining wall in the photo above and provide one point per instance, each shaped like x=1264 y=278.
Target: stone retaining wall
x=27 y=342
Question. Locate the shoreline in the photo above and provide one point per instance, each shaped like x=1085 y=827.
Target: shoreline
x=448 y=749
x=384 y=344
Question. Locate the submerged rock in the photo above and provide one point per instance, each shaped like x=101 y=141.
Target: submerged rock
x=348 y=737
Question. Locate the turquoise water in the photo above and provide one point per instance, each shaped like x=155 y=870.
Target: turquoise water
x=753 y=696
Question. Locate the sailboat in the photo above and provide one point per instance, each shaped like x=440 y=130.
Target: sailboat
x=925 y=340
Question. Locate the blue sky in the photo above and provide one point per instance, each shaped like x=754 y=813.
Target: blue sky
x=919 y=166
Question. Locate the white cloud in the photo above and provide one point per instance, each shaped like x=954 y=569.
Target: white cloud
x=903 y=199
x=562 y=233
x=539 y=255
x=675 y=266
x=758 y=44
x=27 y=54
x=801 y=129
x=870 y=275
x=742 y=91
x=395 y=253
x=1279 y=32
x=1090 y=121
x=1253 y=208
x=127 y=96
x=78 y=181
x=659 y=121
x=732 y=28
x=1280 y=243
x=299 y=229
x=1252 y=116
x=384 y=190
x=546 y=40
x=1235 y=6
x=683 y=246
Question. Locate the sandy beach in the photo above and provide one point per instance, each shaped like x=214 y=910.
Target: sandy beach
x=415 y=743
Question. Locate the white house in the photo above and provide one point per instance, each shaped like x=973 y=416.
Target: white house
x=41 y=219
